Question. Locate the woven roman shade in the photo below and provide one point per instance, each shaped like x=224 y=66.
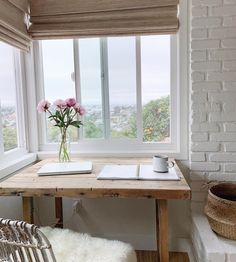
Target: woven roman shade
x=88 y=18
x=13 y=29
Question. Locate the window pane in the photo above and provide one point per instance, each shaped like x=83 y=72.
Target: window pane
x=155 y=66
x=90 y=82
x=8 y=97
x=122 y=86
x=58 y=70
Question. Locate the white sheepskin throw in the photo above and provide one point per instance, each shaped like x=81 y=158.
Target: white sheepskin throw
x=70 y=246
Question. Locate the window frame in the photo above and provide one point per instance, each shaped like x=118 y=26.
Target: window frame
x=21 y=149
x=127 y=147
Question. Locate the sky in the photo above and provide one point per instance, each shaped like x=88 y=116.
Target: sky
x=58 y=66
x=7 y=76
x=155 y=56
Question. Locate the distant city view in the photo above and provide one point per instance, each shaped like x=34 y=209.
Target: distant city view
x=156 y=122
x=9 y=127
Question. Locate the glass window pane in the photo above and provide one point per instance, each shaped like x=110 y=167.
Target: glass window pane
x=59 y=83
x=90 y=83
x=122 y=86
x=155 y=67
x=8 y=97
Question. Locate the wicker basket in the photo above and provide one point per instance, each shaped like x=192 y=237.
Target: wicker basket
x=221 y=209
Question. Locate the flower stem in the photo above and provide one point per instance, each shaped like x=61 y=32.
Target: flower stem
x=63 y=150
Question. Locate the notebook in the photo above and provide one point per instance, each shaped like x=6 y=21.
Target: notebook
x=51 y=169
x=134 y=172
x=146 y=173
x=119 y=172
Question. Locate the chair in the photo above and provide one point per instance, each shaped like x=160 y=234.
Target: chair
x=23 y=242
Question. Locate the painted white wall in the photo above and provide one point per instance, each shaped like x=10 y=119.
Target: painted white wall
x=11 y=207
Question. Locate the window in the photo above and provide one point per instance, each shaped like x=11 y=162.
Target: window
x=11 y=129
x=128 y=86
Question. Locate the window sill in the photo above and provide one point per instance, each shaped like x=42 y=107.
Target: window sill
x=9 y=167
x=75 y=154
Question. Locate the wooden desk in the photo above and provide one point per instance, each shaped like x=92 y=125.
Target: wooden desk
x=27 y=184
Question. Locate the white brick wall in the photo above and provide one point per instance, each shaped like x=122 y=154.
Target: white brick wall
x=213 y=94
x=213 y=113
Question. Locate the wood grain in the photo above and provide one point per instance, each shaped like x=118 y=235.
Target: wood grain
x=162 y=225
x=152 y=256
x=28 y=183
x=28 y=212
x=59 y=212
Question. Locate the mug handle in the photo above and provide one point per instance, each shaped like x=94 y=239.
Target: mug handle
x=170 y=164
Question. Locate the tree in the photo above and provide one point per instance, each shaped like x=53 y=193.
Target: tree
x=156 y=120
x=92 y=126
x=9 y=138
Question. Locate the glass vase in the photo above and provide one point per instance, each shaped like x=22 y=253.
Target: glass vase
x=64 y=148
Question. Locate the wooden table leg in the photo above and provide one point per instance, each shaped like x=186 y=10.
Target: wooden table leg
x=162 y=230
x=28 y=209
x=59 y=211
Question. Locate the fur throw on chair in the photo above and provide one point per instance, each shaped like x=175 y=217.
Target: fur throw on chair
x=71 y=246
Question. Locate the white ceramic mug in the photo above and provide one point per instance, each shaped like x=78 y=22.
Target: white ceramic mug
x=161 y=164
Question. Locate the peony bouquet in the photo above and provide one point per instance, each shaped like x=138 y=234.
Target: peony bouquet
x=63 y=113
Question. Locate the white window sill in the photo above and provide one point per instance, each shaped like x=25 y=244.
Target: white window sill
x=139 y=154
x=12 y=166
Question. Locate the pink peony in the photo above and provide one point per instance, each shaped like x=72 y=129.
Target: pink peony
x=43 y=106
x=79 y=109
x=70 y=102
x=60 y=103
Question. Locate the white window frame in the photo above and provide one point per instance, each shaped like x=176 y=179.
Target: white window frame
x=21 y=150
x=129 y=147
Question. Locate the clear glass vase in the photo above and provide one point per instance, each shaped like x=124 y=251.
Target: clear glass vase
x=64 y=148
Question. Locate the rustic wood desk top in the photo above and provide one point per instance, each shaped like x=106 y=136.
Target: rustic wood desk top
x=28 y=183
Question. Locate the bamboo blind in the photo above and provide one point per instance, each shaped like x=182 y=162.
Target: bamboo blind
x=13 y=29
x=87 y=18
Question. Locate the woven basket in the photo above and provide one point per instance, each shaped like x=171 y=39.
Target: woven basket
x=221 y=209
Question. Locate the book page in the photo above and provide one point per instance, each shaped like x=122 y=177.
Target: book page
x=146 y=173
x=119 y=172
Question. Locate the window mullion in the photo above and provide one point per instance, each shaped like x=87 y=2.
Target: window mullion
x=77 y=77
x=139 y=90
x=174 y=128
x=105 y=87
x=39 y=85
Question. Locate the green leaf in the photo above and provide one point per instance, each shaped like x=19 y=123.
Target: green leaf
x=76 y=124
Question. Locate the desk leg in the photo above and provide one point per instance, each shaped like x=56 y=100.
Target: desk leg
x=28 y=209
x=162 y=230
x=59 y=211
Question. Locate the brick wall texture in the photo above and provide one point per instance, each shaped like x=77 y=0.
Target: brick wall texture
x=213 y=94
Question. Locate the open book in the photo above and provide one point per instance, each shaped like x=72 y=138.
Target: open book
x=135 y=172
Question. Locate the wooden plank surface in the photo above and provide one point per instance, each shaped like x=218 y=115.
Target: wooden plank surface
x=152 y=256
x=28 y=183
